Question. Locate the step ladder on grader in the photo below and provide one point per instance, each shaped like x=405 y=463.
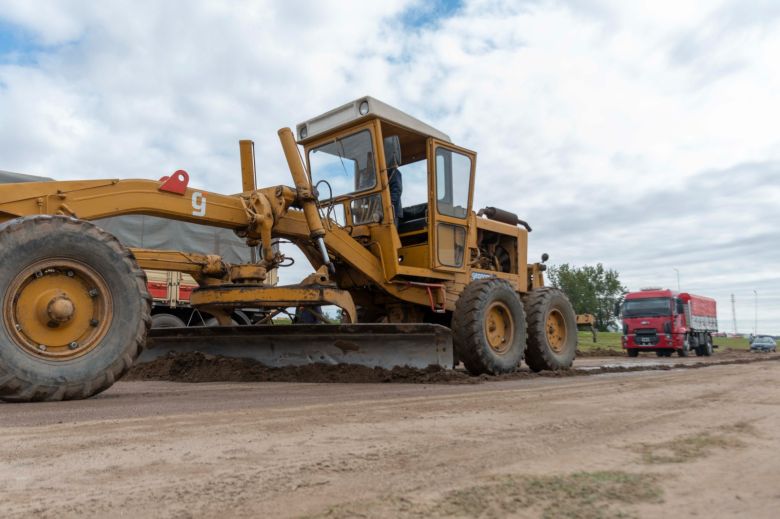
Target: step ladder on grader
x=431 y=283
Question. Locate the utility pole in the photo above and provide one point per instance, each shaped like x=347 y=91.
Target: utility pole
x=678 y=278
x=734 y=313
x=755 y=317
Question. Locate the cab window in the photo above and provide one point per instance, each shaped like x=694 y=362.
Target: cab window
x=453 y=176
x=452 y=244
x=343 y=166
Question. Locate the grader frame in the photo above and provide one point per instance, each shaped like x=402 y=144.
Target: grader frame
x=481 y=285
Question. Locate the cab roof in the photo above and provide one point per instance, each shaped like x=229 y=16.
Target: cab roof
x=363 y=108
x=646 y=293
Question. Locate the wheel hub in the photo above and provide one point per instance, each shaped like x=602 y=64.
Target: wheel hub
x=60 y=309
x=57 y=309
x=556 y=330
x=499 y=327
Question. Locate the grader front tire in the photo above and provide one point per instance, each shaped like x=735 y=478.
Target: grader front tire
x=552 y=330
x=75 y=309
x=489 y=327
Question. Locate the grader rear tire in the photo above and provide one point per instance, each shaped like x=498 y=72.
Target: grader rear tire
x=552 y=330
x=489 y=327
x=75 y=309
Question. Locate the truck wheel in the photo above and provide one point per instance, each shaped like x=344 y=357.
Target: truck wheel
x=75 y=309
x=688 y=345
x=488 y=327
x=167 y=321
x=552 y=330
x=708 y=347
x=632 y=352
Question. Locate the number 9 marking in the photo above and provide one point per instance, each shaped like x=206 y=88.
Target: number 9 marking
x=198 y=204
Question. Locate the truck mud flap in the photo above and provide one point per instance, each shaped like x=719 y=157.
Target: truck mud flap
x=372 y=345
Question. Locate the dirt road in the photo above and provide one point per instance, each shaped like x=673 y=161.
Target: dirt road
x=679 y=443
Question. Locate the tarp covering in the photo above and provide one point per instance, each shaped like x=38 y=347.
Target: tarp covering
x=150 y=232
x=6 y=177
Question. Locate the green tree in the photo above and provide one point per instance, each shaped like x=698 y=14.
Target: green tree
x=591 y=290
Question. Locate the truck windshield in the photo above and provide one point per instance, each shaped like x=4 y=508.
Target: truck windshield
x=650 y=307
x=346 y=164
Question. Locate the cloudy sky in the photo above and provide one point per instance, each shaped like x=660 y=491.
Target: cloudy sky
x=643 y=135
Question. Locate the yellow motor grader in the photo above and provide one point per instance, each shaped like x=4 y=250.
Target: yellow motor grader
x=432 y=282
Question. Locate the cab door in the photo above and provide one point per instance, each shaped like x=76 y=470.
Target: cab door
x=451 y=177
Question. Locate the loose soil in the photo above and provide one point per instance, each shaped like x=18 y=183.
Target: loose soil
x=600 y=352
x=199 y=367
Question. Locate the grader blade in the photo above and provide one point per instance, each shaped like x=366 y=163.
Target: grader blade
x=372 y=345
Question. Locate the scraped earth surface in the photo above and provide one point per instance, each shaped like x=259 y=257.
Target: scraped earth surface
x=667 y=441
x=199 y=367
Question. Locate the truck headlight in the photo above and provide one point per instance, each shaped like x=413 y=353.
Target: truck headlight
x=363 y=108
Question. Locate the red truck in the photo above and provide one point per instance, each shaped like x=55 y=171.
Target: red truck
x=664 y=321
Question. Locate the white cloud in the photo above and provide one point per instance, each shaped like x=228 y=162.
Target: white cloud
x=583 y=111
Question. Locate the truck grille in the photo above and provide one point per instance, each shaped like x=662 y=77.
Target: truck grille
x=648 y=337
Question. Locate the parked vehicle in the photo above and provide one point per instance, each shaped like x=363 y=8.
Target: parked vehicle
x=763 y=344
x=171 y=290
x=664 y=321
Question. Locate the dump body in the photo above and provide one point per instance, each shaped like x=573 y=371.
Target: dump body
x=664 y=320
x=700 y=313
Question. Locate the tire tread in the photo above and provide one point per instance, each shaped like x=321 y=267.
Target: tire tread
x=16 y=389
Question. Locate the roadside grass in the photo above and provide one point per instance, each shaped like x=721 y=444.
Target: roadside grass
x=608 y=340
x=612 y=340
x=735 y=343
x=591 y=495
x=695 y=446
x=581 y=495
x=687 y=448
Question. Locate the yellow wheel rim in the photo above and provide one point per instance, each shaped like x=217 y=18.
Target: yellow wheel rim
x=499 y=327
x=555 y=326
x=57 y=309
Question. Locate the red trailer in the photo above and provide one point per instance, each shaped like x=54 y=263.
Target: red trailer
x=665 y=321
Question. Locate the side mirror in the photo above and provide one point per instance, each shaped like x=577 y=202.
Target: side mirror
x=680 y=307
x=545 y=257
x=617 y=308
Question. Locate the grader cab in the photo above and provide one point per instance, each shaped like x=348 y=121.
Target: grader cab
x=420 y=278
